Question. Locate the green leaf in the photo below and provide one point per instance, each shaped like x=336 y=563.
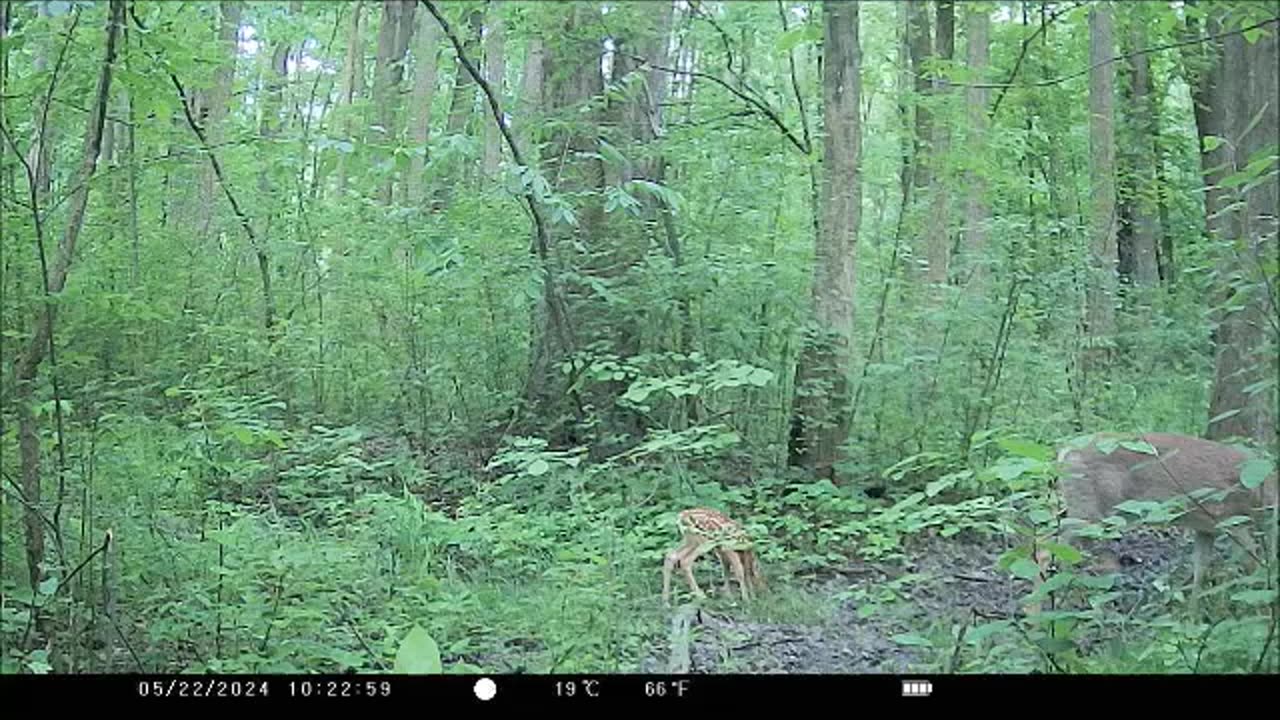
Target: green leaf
x=1138 y=446
x=789 y=39
x=1025 y=569
x=985 y=630
x=760 y=377
x=1256 y=598
x=418 y=654
x=1254 y=472
x=1065 y=553
x=637 y=393
x=49 y=586
x=1100 y=582
x=538 y=467
x=911 y=640
x=1025 y=448
x=1097 y=601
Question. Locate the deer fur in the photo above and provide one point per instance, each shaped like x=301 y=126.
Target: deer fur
x=703 y=530
x=1093 y=482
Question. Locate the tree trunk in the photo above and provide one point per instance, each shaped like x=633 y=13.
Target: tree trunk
x=1144 y=210
x=219 y=110
x=352 y=88
x=821 y=412
x=1101 y=286
x=495 y=68
x=920 y=46
x=531 y=90
x=40 y=154
x=462 y=103
x=574 y=81
x=393 y=42
x=426 y=54
x=27 y=365
x=977 y=211
x=937 y=236
x=1242 y=404
x=464 y=87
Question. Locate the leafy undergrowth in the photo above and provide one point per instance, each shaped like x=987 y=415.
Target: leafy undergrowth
x=342 y=554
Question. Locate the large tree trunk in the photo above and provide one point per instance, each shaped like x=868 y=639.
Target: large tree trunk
x=920 y=46
x=464 y=87
x=977 y=211
x=1101 y=284
x=219 y=109
x=352 y=88
x=532 y=84
x=574 y=80
x=1141 y=196
x=1242 y=404
x=393 y=42
x=495 y=68
x=426 y=54
x=937 y=235
x=821 y=413
x=27 y=365
x=40 y=154
x=270 y=126
x=462 y=103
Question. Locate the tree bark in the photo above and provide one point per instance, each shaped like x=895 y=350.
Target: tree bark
x=920 y=47
x=1142 y=199
x=977 y=211
x=1243 y=403
x=1101 y=285
x=426 y=54
x=393 y=43
x=821 y=412
x=219 y=109
x=352 y=88
x=937 y=235
x=495 y=69
x=27 y=364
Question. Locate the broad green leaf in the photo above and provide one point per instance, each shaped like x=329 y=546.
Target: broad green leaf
x=911 y=640
x=1255 y=471
x=1025 y=448
x=538 y=467
x=1255 y=598
x=49 y=586
x=418 y=654
x=1025 y=569
x=1065 y=553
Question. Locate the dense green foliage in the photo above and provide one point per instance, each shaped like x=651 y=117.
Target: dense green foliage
x=313 y=494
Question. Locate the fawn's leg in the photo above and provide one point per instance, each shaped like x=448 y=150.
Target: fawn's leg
x=1200 y=555
x=734 y=561
x=725 y=565
x=687 y=561
x=669 y=564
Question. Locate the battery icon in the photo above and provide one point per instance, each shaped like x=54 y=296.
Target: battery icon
x=917 y=688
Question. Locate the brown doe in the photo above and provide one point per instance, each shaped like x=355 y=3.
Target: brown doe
x=703 y=530
x=1205 y=476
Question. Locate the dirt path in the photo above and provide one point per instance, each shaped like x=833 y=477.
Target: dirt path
x=951 y=582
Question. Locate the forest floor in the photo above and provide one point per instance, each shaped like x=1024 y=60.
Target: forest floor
x=950 y=583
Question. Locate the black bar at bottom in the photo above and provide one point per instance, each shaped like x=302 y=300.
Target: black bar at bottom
x=528 y=691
